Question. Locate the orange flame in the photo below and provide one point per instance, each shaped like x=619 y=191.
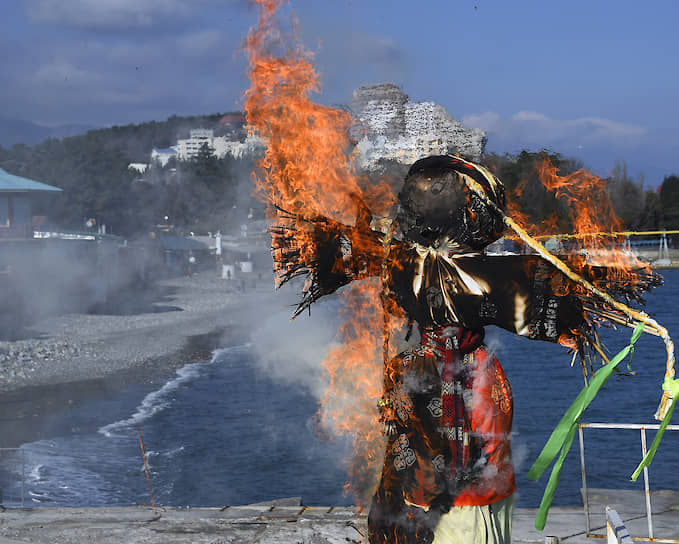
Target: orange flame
x=588 y=212
x=306 y=172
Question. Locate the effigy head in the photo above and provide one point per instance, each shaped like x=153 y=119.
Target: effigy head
x=439 y=209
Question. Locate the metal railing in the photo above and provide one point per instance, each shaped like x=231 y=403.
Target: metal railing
x=12 y=476
x=647 y=488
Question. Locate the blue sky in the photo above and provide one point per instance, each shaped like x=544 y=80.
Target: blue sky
x=595 y=80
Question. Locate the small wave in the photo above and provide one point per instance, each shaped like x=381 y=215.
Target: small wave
x=67 y=471
x=35 y=475
x=173 y=452
x=39 y=496
x=160 y=400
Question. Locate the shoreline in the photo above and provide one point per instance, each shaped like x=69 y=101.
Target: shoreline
x=23 y=407
x=106 y=353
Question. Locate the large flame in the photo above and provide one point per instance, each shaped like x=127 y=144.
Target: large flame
x=306 y=172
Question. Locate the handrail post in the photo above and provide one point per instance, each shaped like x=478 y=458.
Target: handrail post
x=585 y=498
x=647 y=489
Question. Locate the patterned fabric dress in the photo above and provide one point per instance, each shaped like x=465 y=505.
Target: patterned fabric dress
x=450 y=409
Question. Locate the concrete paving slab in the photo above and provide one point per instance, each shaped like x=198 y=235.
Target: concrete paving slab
x=291 y=522
x=569 y=525
x=258 y=525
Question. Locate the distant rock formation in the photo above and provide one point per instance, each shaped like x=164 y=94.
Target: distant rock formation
x=391 y=127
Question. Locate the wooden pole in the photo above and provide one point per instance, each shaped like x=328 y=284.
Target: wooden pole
x=146 y=469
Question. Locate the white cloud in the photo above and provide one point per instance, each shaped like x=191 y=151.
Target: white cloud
x=529 y=116
x=117 y=77
x=62 y=73
x=530 y=128
x=487 y=120
x=201 y=43
x=113 y=13
x=103 y=13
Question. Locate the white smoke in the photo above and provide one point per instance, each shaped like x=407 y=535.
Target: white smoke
x=292 y=352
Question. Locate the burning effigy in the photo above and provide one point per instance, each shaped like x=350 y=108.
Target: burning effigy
x=430 y=425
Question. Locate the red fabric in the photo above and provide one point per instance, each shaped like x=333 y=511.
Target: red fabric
x=488 y=416
x=491 y=418
x=453 y=417
x=430 y=463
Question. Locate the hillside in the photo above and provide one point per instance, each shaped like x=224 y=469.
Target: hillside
x=17 y=131
x=92 y=169
x=209 y=194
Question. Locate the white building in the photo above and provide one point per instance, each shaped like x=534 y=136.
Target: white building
x=224 y=146
x=189 y=148
x=138 y=167
x=390 y=126
x=221 y=146
x=163 y=155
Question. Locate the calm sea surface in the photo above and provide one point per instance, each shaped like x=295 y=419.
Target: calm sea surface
x=224 y=432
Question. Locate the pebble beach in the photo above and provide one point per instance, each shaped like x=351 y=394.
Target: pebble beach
x=59 y=360
x=156 y=324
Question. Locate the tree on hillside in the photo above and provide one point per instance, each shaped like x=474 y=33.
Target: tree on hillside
x=92 y=169
x=651 y=216
x=206 y=166
x=627 y=196
x=669 y=202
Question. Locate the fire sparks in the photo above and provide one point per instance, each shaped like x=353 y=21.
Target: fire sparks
x=304 y=174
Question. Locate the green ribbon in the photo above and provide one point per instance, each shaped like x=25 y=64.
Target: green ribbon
x=671 y=385
x=562 y=436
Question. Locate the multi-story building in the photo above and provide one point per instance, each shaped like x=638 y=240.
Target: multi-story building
x=188 y=148
x=198 y=137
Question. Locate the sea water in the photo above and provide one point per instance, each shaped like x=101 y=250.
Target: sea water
x=226 y=432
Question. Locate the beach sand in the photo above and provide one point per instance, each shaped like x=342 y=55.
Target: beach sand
x=62 y=360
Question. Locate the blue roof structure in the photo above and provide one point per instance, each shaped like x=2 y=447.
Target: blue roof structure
x=165 y=150
x=10 y=182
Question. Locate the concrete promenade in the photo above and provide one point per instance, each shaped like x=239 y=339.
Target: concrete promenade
x=288 y=521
